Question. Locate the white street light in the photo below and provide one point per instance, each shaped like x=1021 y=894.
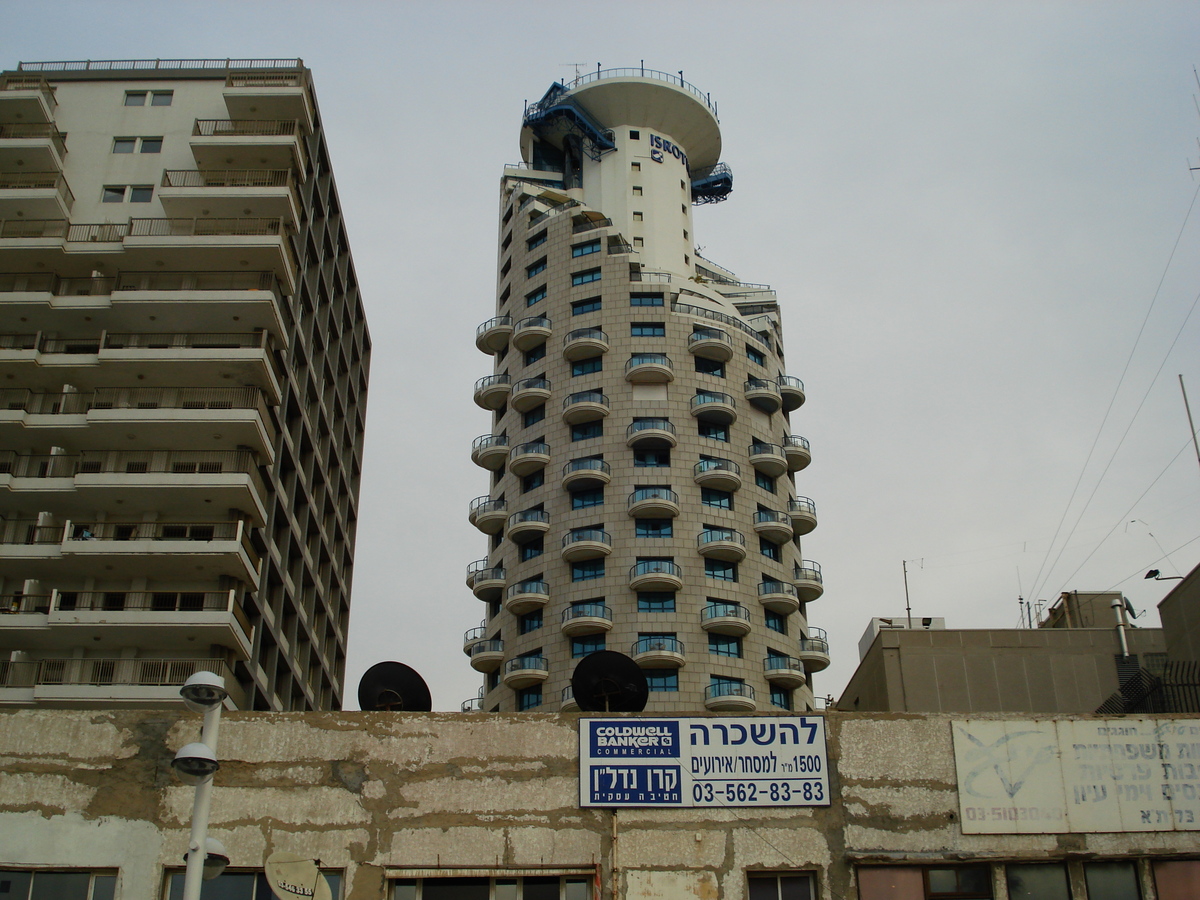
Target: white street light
x=196 y=764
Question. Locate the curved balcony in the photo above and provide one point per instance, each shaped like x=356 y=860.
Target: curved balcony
x=491 y=391
x=729 y=698
x=725 y=618
x=485 y=581
x=492 y=336
x=590 y=543
x=585 y=406
x=579 y=474
x=525 y=671
x=791 y=390
x=528 y=457
x=773 y=524
x=779 y=596
x=655 y=575
x=649 y=368
x=529 y=392
x=486 y=656
x=475 y=704
x=653 y=503
x=526 y=523
x=714 y=406
x=490 y=451
x=763 y=394
x=526 y=596
x=530 y=332
x=583 y=343
x=568 y=700
x=586 y=618
x=722 y=543
x=803 y=513
x=711 y=343
x=658 y=653
x=814 y=650
x=488 y=515
x=807 y=579
x=472 y=636
x=797 y=451
x=651 y=434
x=721 y=474
x=785 y=671
x=768 y=458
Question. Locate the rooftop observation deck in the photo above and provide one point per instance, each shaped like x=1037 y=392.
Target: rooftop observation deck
x=92 y=67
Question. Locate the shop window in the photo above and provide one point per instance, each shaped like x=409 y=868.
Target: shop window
x=1177 y=879
x=18 y=884
x=508 y=887
x=782 y=886
x=1041 y=881
x=1111 y=881
x=239 y=886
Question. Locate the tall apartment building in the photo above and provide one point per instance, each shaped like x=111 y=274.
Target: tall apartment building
x=183 y=379
x=642 y=459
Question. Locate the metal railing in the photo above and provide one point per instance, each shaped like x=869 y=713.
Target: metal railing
x=650 y=425
x=802 y=505
x=586 y=334
x=776 y=587
x=531 y=384
x=655 y=567
x=93 y=671
x=652 y=494
x=587 y=534
x=474 y=634
x=29 y=532
x=34 y=131
x=795 y=440
x=724 y=611
x=790 y=382
x=657 y=644
x=38 y=180
x=728 y=689
x=764 y=516
x=690 y=310
x=28 y=83
x=128 y=462
x=528 y=587
x=146 y=601
x=534 y=448
x=80 y=402
x=475 y=704
x=590 y=225
x=122 y=65
x=496 y=322
x=526 y=516
x=489 y=380
x=762 y=448
x=648 y=276
x=247 y=127
x=647 y=359
x=482 y=570
x=814 y=645
x=716 y=465
x=526 y=663
x=719 y=535
x=14 y=604
x=262 y=79
x=154 y=531
x=486 y=504
x=531 y=322
x=807 y=570
x=198 y=281
x=587 y=465
x=708 y=334
x=761 y=384
x=777 y=663
x=182 y=178
x=136 y=341
x=643 y=72
x=585 y=397
x=586 y=611
x=490 y=646
x=484 y=441
x=703 y=398
x=247 y=226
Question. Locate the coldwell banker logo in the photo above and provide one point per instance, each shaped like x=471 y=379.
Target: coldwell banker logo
x=660 y=149
x=639 y=739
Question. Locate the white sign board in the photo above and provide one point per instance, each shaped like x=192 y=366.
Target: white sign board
x=1038 y=776
x=700 y=762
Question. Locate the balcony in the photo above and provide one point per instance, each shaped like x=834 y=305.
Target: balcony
x=763 y=395
x=492 y=391
x=492 y=336
x=490 y=451
x=722 y=543
x=715 y=407
x=814 y=650
x=583 y=343
x=725 y=618
x=247 y=143
x=33 y=147
x=26 y=99
x=569 y=704
x=774 y=525
x=230 y=193
x=527 y=523
x=485 y=580
x=586 y=543
x=651 y=434
x=768 y=458
x=526 y=596
x=91 y=683
x=797 y=451
x=655 y=575
x=719 y=474
x=785 y=671
x=586 y=618
x=807 y=578
x=528 y=457
x=649 y=368
x=658 y=653
x=791 y=390
x=529 y=392
x=261 y=243
x=475 y=704
x=530 y=332
x=580 y=474
x=35 y=195
x=525 y=671
x=711 y=343
x=488 y=515
x=274 y=95
x=486 y=656
x=585 y=406
x=779 y=596
x=803 y=513
x=732 y=697
x=471 y=635
x=653 y=503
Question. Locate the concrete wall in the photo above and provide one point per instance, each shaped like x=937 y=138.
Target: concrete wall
x=1180 y=614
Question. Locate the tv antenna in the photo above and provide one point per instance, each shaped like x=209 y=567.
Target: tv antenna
x=394 y=687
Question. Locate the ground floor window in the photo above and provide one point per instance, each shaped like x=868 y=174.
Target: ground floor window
x=18 y=884
x=241 y=886
x=528 y=887
x=1037 y=881
x=780 y=886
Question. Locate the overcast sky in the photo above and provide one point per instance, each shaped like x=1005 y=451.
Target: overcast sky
x=966 y=208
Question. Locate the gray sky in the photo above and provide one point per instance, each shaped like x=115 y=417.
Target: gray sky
x=966 y=209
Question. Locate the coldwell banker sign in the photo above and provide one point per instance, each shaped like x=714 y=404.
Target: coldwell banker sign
x=775 y=761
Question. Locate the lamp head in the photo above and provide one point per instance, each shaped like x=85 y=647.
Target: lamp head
x=215 y=859
x=194 y=763
x=203 y=691
x=1153 y=573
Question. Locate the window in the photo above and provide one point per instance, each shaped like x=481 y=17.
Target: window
x=131 y=144
x=645 y=299
x=658 y=680
x=645 y=459
x=769 y=549
x=639 y=242
x=585 y=430
x=537 y=240
x=528 y=698
x=534 y=415
x=237 y=886
x=529 y=622
x=587 y=499
x=634 y=134
x=579 y=307
x=590 y=643
x=585 y=277
x=533 y=480
x=535 y=353
x=720 y=569
x=648 y=329
x=723 y=686
x=587 y=366
x=586 y=249
x=781 y=697
x=638 y=217
x=755 y=356
x=114 y=193
x=535 y=296
x=118 y=193
x=715 y=498
x=653 y=528
x=767 y=886
x=140 y=193
x=724 y=645
x=505 y=269
x=587 y=570
x=135 y=98
x=532 y=548
x=707 y=366
x=714 y=431
x=766 y=482
x=1111 y=881
x=656 y=601
x=637 y=190
x=1044 y=881
x=636 y=167
x=502 y=887
x=151 y=145
x=124 y=145
x=776 y=621
x=161 y=98
x=960 y=881
x=78 y=884
x=535 y=268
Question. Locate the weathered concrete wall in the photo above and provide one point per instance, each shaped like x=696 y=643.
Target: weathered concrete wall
x=366 y=792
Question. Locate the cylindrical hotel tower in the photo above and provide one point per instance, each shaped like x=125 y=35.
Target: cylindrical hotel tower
x=641 y=453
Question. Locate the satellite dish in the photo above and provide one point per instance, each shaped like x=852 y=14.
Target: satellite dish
x=607 y=681
x=292 y=876
x=393 y=686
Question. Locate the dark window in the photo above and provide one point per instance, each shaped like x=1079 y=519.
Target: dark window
x=724 y=645
x=1043 y=881
x=587 y=366
x=776 y=621
x=648 y=329
x=537 y=240
x=587 y=570
x=585 y=277
x=527 y=698
x=766 y=482
x=780 y=887
x=781 y=697
x=586 y=499
x=707 y=366
x=135 y=98
x=963 y=882
x=533 y=480
x=586 y=248
x=719 y=499
x=585 y=430
x=755 y=356
x=653 y=528
x=579 y=307
x=582 y=646
x=656 y=601
x=533 y=355
x=535 y=296
x=769 y=549
x=530 y=622
x=534 y=415
x=532 y=548
x=720 y=569
x=658 y=680
x=651 y=458
x=634 y=135
x=535 y=268
x=161 y=98
x=645 y=299
x=714 y=431
x=1110 y=881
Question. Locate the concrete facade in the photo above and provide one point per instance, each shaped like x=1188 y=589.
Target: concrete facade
x=1180 y=615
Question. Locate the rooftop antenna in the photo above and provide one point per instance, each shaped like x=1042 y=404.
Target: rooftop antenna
x=907 y=605
x=1191 y=424
x=577 y=68
x=1196 y=103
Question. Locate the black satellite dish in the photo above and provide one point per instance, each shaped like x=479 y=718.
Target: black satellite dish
x=393 y=686
x=607 y=681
